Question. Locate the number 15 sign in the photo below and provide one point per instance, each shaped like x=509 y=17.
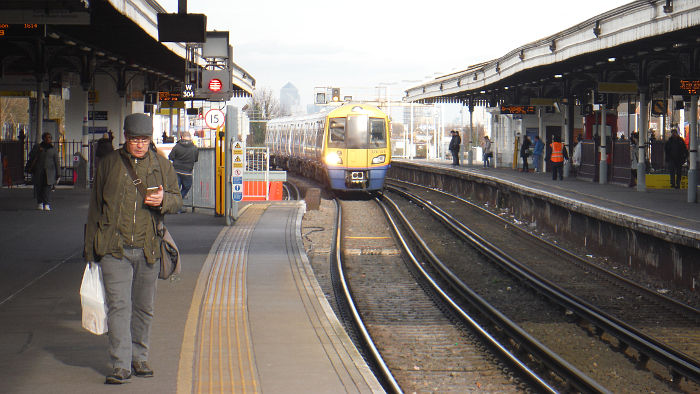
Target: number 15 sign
x=214 y=118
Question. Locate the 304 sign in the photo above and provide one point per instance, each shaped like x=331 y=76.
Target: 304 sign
x=214 y=118
x=188 y=91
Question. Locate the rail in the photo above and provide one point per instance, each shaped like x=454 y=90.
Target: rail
x=567 y=371
x=678 y=362
x=347 y=305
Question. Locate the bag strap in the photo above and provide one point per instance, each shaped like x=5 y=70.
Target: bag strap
x=134 y=178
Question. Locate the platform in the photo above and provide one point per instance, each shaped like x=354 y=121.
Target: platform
x=666 y=208
x=245 y=315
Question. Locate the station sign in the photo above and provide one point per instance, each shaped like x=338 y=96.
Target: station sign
x=517 y=109
x=618 y=87
x=188 y=91
x=98 y=115
x=600 y=98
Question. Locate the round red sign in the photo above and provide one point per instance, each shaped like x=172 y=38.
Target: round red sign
x=215 y=85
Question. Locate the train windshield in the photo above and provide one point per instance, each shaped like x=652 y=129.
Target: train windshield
x=357 y=132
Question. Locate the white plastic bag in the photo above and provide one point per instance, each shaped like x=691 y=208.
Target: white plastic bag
x=92 y=297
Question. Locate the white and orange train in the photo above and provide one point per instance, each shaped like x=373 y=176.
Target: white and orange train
x=346 y=147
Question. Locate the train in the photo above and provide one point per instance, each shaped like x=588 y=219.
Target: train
x=346 y=148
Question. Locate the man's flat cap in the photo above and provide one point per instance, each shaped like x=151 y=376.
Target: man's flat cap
x=138 y=125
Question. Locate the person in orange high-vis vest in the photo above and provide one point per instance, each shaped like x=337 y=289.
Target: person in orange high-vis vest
x=558 y=157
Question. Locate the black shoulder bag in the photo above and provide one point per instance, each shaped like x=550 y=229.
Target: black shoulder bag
x=169 y=253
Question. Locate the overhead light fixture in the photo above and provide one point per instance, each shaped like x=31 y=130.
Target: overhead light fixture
x=69 y=42
x=98 y=53
x=85 y=49
x=611 y=59
x=557 y=75
x=112 y=58
x=54 y=36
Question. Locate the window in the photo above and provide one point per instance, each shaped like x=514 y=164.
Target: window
x=377 y=136
x=357 y=132
x=337 y=133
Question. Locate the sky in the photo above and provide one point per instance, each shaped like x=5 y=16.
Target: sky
x=370 y=48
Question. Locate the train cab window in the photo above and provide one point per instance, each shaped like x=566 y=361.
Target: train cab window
x=377 y=133
x=337 y=133
x=356 y=132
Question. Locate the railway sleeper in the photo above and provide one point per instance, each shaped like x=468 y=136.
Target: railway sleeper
x=642 y=362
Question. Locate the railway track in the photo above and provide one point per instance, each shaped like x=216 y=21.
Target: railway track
x=583 y=317
x=392 y=301
x=421 y=348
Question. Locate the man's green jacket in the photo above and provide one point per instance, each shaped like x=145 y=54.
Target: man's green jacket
x=117 y=216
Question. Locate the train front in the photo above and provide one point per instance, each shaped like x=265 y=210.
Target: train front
x=357 y=152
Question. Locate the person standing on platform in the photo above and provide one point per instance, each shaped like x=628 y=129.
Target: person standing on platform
x=455 y=142
x=676 y=154
x=486 y=151
x=525 y=152
x=557 y=157
x=104 y=146
x=537 y=151
x=121 y=236
x=44 y=165
x=576 y=156
x=183 y=155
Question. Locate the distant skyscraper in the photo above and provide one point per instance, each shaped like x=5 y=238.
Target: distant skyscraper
x=290 y=103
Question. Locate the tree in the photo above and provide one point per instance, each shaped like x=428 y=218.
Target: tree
x=261 y=107
x=13 y=110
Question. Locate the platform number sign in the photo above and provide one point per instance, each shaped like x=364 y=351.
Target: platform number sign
x=238 y=167
x=214 y=118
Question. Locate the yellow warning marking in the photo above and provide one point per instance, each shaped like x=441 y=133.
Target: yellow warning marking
x=187 y=352
x=367 y=237
x=220 y=287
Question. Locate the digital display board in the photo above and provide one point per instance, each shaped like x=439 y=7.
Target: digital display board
x=7 y=30
x=169 y=96
x=517 y=109
x=685 y=86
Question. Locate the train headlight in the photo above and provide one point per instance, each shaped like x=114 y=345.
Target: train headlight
x=379 y=159
x=333 y=158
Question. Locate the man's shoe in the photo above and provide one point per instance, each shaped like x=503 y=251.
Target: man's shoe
x=141 y=369
x=47 y=207
x=40 y=207
x=118 y=376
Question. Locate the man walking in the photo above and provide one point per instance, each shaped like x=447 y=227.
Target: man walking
x=183 y=156
x=44 y=165
x=676 y=153
x=121 y=235
x=455 y=142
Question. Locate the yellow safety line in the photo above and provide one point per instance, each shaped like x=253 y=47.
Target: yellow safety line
x=228 y=320
x=187 y=351
x=226 y=264
x=212 y=311
x=236 y=316
x=224 y=304
x=246 y=332
x=234 y=281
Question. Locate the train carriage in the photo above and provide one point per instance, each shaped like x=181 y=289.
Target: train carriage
x=346 y=147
